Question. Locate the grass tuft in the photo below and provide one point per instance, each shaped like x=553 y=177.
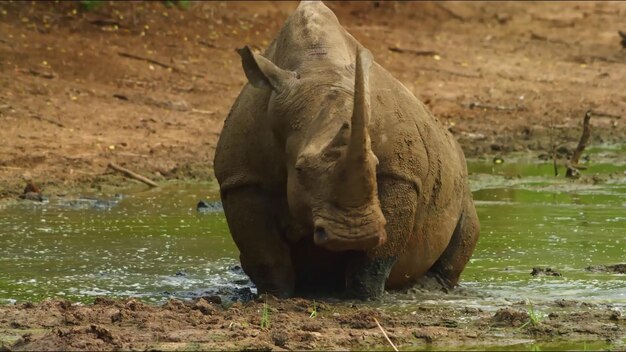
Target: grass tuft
x=265 y=316
x=534 y=317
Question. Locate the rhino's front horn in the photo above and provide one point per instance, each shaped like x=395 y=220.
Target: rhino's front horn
x=359 y=172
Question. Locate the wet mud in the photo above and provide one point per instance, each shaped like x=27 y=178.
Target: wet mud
x=297 y=324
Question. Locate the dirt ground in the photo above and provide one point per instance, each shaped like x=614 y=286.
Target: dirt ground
x=204 y=324
x=148 y=86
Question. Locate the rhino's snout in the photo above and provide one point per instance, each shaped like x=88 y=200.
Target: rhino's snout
x=339 y=241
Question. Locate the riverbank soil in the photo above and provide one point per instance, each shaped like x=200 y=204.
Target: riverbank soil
x=299 y=324
x=148 y=86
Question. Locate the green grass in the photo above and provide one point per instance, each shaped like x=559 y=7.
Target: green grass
x=313 y=311
x=265 y=316
x=535 y=317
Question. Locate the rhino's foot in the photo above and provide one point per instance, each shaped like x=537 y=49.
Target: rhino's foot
x=366 y=277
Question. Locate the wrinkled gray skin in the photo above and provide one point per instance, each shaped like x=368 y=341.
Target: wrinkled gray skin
x=334 y=177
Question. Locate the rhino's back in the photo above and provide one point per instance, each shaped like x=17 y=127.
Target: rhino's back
x=411 y=145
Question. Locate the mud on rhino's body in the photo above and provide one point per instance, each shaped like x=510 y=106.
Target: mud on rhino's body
x=334 y=176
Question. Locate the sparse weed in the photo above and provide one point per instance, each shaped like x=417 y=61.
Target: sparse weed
x=265 y=316
x=90 y=4
x=534 y=317
x=313 y=311
x=180 y=3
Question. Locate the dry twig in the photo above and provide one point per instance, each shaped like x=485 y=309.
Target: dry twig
x=158 y=63
x=480 y=105
x=47 y=75
x=132 y=175
x=40 y=118
x=147 y=59
x=572 y=165
x=385 y=334
x=451 y=72
x=413 y=51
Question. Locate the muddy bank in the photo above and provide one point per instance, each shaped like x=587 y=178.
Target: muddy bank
x=148 y=86
x=299 y=324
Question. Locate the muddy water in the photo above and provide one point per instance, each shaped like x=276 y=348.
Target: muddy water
x=154 y=244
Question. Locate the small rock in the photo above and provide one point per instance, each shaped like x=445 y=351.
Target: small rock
x=617 y=268
x=203 y=306
x=510 y=317
x=547 y=272
x=215 y=299
x=423 y=334
x=496 y=147
x=311 y=326
x=279 y=337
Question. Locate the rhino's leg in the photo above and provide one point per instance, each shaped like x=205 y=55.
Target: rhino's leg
x=447 y=269
x=367 y=272
x=254 y=221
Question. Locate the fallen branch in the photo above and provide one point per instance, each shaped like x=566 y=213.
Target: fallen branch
x=203 y=112
x=572 y=165
x=47 y=75
x=133 y=175
x=147 y=59
x=480 y=105
x=105 y=22
x=385 y=334
x=450 y=12
x=413 y=51
x=455 y=73
x=47 y=120
x=158 y=63
x=604 y=114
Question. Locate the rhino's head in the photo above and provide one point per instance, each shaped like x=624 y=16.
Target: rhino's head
x=331 y=169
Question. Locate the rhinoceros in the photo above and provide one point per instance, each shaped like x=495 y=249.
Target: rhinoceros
x=334 y=178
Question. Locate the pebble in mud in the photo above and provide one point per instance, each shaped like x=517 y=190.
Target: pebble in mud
x=209 y=207
x=537 y=271
x=510 y=317
x=617 y=268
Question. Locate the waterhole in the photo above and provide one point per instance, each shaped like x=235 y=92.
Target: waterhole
x=155 y=245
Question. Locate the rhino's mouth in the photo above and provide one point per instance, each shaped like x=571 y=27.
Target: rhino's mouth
x=349 y=229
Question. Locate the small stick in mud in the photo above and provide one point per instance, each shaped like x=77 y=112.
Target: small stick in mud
x=149 y=60
x=385 y=334
x=480 y=105
x=158 y=63
x=572 y=165
x=396 y=49
x=133 y=175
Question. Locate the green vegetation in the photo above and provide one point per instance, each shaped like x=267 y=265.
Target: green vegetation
x=534 y=316
x=180 y=3
x=265 y=316
x=313 y=311
x=89 y=5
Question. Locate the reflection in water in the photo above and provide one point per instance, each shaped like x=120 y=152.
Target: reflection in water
x=155 y=245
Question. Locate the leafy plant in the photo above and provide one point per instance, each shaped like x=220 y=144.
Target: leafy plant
x=313 y=311
x=534 y=317
x=90 y=4
x=180 y=3
x=265 y=316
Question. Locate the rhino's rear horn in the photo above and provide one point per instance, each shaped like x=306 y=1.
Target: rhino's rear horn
x=262 y=73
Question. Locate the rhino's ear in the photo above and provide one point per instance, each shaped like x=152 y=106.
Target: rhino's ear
x=261 y=72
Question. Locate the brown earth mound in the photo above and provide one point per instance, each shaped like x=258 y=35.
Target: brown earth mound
x=200 y=325
x=148 y=87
